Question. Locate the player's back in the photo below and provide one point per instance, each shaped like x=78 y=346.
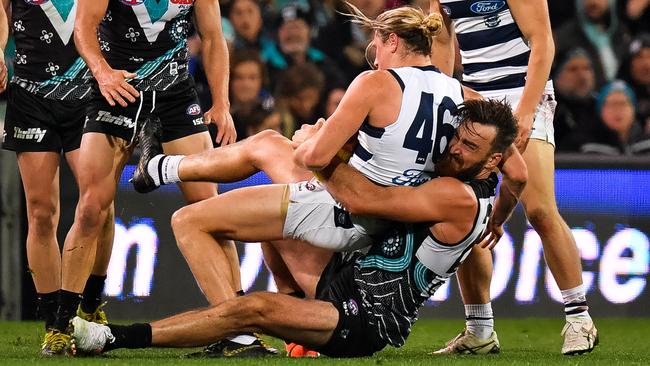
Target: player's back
x=405 y=152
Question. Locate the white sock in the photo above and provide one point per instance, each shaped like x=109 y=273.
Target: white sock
x=479 y=320
x=575 y=303
x=244 y=339
x=164 y=168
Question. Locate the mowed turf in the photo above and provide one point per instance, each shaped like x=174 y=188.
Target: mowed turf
x=524 y=341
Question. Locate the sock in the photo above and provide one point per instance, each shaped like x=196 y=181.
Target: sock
x=92 y=295
x=164 y=169
x=245 y=339
x=129 y=336
x=68 y=303
x=479 y=320
x=575 y=303
x=47 y=305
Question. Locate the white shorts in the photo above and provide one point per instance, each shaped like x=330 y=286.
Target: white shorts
x=314 y=216
x=543 y=123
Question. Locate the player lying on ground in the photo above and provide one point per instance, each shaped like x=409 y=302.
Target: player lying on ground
x=363 y=302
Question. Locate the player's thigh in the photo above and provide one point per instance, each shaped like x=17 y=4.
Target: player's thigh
x=245 y=214
x=188 y=145
x=540 y=188
x=39 y=172
x=304 y=261
x=98 y=166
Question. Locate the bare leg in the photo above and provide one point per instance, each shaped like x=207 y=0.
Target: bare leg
x=560 y=249
x=474 y=276
x=196 y=225
x=225 y=252
x=102 y=162
x=284 y=281
x=272 y=314
x=40 y=176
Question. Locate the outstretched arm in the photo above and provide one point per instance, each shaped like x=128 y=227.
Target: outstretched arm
x=443 y=45
x=435 y=201
x=112 y=83
x=533 y=20
x=215 y=61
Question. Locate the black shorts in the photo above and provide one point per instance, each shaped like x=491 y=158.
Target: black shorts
x=37 y=124
x=353 y=336
x=177 y=109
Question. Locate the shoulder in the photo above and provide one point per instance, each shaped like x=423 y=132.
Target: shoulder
x=375 y=81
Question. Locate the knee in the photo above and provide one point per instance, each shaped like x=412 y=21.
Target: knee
x=182 y=224
x=89 y=213
x=42 y=216
x=264 y=144
x=541 y=217
x=254 y=306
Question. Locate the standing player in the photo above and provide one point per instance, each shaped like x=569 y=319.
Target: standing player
x=46 y=103
x=362 y=302
x=507 y=49
x=137 y=53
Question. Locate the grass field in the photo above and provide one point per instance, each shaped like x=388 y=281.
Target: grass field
x=523 y=341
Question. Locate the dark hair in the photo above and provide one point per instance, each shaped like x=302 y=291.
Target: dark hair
x=245 y=55
x=490 y=113
x=300 y=77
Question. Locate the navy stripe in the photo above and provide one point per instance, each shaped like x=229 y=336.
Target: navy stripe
x=579 y=310
x=582 y=303
x=372 y=131
x=519 y=60
x=489 y=37
x=399 y=80
x=477 y=318
x=427 y=68
x=463 y=9
x=508 y=82
x=362 y=153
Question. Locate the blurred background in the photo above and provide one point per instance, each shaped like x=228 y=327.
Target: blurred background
x=290 y=63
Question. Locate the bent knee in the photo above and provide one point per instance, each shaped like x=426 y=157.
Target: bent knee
x=42 y=216
x=266 y=144
x=542 y=217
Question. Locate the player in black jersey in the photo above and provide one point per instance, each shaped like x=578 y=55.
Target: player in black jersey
x=46 y=99
x=137 y=53
x=361 y=303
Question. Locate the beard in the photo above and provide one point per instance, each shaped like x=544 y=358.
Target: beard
x=452 y=166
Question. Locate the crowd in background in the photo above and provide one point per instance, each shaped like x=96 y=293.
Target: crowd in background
x=291 y=61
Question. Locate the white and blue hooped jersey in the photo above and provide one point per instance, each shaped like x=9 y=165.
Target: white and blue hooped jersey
x=493 y=50
x=406 y=151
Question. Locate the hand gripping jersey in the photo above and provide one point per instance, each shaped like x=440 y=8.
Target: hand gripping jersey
x=408 y=265
x=149 y=38
x=46 y=62
x=406 y=151
x=494 y=53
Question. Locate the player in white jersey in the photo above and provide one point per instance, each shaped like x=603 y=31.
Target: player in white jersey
x=362 y=302
x=506 y=49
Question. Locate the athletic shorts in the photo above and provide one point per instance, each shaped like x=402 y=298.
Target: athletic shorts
x=36 y=124
x=177 y=109
x=353 y=335
x=314 y=216
x=543 y=123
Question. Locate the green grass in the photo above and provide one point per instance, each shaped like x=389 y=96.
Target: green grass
x=523 y=341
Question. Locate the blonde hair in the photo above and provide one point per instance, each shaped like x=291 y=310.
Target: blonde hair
x=411 y=24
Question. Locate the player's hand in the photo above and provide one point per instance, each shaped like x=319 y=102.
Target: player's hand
x=220 y=117
x=492 y=235
x=525 y=123
x=306 y=132
x=114 y=86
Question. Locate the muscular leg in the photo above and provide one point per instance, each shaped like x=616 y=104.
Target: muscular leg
x=538 y=198
x=284 y=281
x=272 y=314
x=40 y=175
x=474 y=277
x=101 y=162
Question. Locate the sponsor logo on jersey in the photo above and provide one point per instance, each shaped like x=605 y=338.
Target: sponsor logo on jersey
x=36 y=2
x=193 y=110
x=411 y=177
x=310 y=186
x=104 y=116
x=487 y=7
x=492 y=21
x=354 y=308
x=132 y=2
x=33 y=133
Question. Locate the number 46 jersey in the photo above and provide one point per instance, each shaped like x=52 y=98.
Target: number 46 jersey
x=406 y=151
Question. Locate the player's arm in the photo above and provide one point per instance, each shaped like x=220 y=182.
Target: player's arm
x=533 y=20
x=317 y=152
x=4 y=35
x=214 y=52
x=112 y=83
x=443 y=45
x=436 y=200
